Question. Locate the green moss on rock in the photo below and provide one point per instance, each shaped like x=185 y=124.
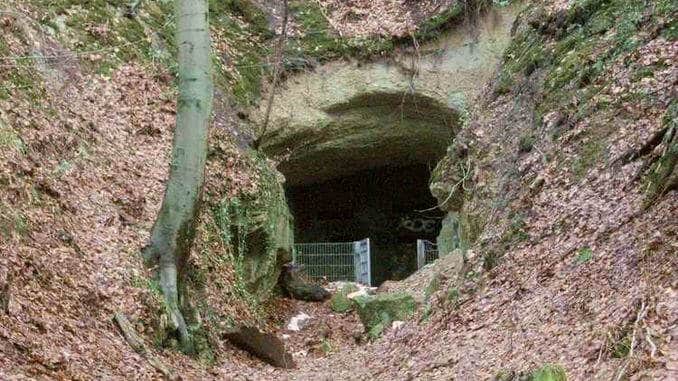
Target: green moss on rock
x=377 y=312
x=259 y=228
x=340 y=303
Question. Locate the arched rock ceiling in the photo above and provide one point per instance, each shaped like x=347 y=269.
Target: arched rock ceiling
x=348 y=116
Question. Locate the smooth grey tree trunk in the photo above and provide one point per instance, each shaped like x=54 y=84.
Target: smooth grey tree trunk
x=173 y=232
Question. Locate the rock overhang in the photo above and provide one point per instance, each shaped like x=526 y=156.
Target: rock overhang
x=345 y=117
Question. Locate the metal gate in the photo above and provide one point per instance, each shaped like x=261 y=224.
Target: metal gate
x=334 y=261
x=427 y=252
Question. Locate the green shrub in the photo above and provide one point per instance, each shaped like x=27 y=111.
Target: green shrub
x=585 y=255
x=526 y=143
x=549 y=372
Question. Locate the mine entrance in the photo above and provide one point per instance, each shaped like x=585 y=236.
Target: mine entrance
x=385 y=204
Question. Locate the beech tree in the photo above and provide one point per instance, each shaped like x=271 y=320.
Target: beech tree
x=174 y=229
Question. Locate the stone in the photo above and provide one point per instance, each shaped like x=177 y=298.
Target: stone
x=259 y=229
x=346 y=117
x=264 y=345
x=300 y=288
x=298 y=322
x=379 y=311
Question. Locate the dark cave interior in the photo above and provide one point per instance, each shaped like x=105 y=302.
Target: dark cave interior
x=385 y=204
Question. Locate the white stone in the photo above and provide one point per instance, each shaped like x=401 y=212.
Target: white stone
x=396 y=325
x=298 y=322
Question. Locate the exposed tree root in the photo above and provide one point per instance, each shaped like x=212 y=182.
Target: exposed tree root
x=139 y=346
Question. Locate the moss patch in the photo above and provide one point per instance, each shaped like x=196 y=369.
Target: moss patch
x=258 y=227
x=548 y=372
x=378 y=312
x=340 y=303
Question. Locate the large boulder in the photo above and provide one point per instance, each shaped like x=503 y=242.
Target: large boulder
x=259 y=229
x=379 y=311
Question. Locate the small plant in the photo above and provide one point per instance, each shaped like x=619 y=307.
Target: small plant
x=526 y=143
x=622 y=347
x=326 y=346
x=490 y=260
x=453 y=296
x=585 y=255
x=548 y=372
x=433 y=286
x=341 y=303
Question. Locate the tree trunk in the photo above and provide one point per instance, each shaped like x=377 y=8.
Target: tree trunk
x=173 y=232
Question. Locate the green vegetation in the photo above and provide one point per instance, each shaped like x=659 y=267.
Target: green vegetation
x=662 y=175
x=516 y=230
x=258 y=227
x=9 y=139
x=432 y=287
x=244 y=28
x=524 y=55
x=319 y=43
x=102 y=27
x=326 y=346
x=584 y=255
x=12 y=223
x=622 y=346
x=590 y=153
x=490 y=260
x=548 y=372
x=340 y=302
x=379 y=311
x=436 y=24
x=572 y=51
x=453 y=296
x=526 y=142
x=19 y=76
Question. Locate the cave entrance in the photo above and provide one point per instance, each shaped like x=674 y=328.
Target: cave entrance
x=392 y=205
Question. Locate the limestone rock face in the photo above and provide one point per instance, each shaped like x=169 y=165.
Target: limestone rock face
x=348 y=116
x=379 y=311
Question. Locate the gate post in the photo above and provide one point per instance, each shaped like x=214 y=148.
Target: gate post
x=369 y=265
x=361 y=260
x=421 y=253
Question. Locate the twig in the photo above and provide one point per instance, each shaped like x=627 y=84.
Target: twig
x=648 y=338
x=276 y=73
x=639 y=318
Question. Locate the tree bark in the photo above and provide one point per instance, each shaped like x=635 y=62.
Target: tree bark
x=174 y=229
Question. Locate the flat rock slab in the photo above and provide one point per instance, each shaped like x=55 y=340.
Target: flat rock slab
x=266 y=346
